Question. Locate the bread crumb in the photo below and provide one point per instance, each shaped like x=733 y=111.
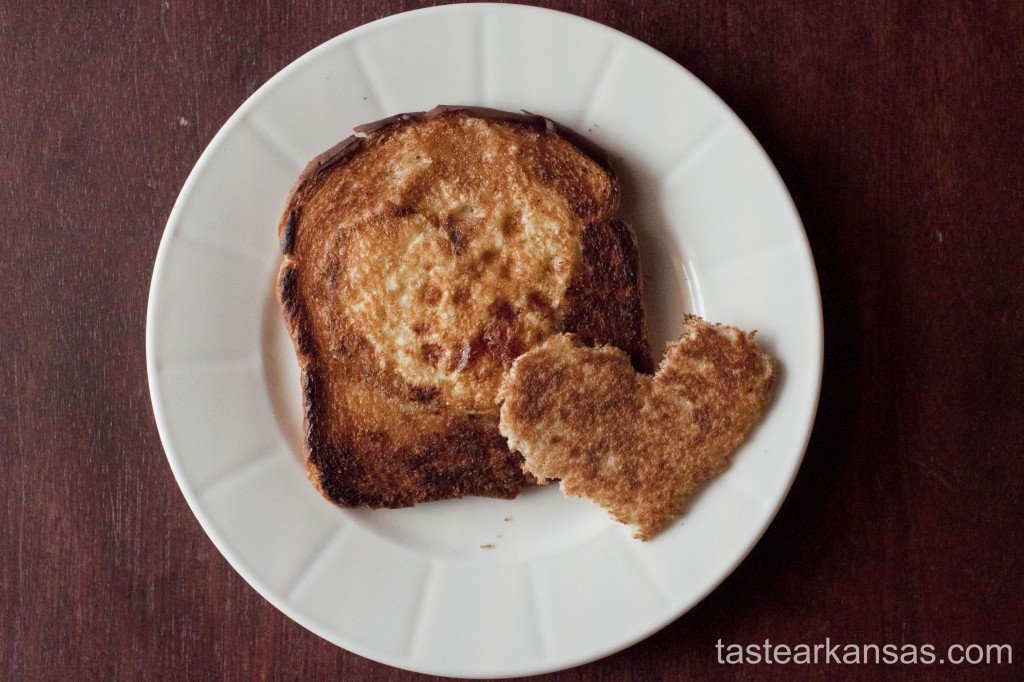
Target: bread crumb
x=507 y=519
x=182 y=121
x=487 y=546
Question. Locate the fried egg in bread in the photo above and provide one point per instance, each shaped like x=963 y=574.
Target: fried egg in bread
x=421 y=259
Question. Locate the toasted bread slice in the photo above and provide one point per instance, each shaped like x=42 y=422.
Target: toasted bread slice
x=639 y=446
x=420 y=259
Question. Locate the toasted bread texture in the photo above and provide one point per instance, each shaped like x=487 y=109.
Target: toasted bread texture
x=421 y=257
x=638 y=445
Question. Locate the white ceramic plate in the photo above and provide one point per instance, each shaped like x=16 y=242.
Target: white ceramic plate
x=422 y=588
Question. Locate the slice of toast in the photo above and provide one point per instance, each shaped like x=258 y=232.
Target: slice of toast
x=639 y=446
x=421 y=257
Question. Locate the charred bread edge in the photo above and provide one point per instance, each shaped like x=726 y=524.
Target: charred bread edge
x=536 y=122
x=627 y=245
x=319 y=449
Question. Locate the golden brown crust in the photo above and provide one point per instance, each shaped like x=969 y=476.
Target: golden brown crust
x=420 y=260
x=639 y=446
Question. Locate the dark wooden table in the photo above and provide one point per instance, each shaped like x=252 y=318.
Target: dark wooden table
x=900 y=133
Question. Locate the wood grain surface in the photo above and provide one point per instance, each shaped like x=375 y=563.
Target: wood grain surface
x=897 y=127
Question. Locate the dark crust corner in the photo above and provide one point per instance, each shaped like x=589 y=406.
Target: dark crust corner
x=288 y=228
x=324 y=455
x=338 y=154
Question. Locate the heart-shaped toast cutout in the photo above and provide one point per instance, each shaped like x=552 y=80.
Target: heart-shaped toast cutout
x=638 y=445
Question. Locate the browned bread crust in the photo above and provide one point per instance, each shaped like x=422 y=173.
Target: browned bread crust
x=420 y=259
x=639 y=446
